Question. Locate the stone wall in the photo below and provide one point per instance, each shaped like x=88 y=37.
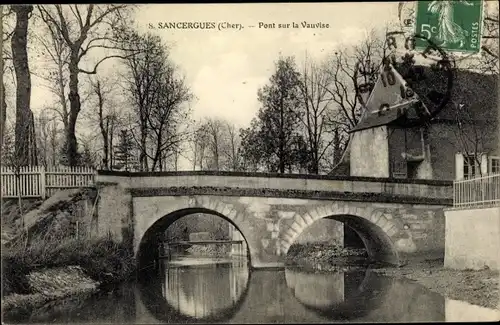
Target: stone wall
x=199 y=223
x=114 y=213
x=323 y=230
x=473 y=238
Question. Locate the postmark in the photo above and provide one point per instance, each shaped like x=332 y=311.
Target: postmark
x=420 y=78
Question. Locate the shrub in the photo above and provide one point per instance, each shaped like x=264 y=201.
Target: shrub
x=102 y=259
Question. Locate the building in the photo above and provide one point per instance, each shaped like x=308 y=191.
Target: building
x=464 y=134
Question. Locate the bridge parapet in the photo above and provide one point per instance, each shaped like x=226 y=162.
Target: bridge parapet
x=259 y=183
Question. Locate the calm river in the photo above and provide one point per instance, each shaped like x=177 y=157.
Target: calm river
x=225 y=291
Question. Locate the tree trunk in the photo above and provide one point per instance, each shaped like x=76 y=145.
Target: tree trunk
x=195 y=156
x=3 y=112
x=74 y=105
x=111 y=132
x=143 y=159
x=3 y=107
x=23 y=78
x=62 y=96
x=104 y=128
x=33 y=158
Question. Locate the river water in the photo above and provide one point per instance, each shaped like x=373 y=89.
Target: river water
x=198 y=290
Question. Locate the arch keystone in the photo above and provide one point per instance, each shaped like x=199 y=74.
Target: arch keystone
x=192 y=201
x=335 y=207
x=204 y=202
x=345 y=209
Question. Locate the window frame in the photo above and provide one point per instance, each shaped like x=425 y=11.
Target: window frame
x=466 y=165
x=490 y=164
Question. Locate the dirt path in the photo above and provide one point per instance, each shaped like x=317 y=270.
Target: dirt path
x=476 y=287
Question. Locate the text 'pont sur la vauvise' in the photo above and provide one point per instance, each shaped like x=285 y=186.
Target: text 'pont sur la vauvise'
x=212 y=25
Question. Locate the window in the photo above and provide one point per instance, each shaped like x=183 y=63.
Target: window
x=494 y=165
x=471 y=166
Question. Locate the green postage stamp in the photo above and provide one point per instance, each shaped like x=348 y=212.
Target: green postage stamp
x=455 y=26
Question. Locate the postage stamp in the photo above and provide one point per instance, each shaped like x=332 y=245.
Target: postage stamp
x=453 y=25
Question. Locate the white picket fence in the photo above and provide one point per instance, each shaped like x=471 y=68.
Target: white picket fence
x=42 y=182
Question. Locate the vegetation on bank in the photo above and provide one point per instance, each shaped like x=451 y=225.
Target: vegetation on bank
x=325 y=256
x=103 y=260
x=55 y=233
x=477 y=287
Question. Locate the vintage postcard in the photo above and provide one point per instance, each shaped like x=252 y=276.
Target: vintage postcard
x=250 y=162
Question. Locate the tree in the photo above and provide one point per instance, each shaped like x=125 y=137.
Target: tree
x=317 y=103
x=251 y=158
x=8 y=151
x=83 y=28
x=232 y=149
x=216 y=145
x=56 y=77
x=49 y=135
x=124 y=156
x=488 y=62
x=25 y=142
x=158 y=96
x=5 y=34
x=199 y=143
x=354 y=71
x=108 y=119
x=277 y=120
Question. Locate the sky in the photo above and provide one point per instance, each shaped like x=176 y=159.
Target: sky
x=225 y=68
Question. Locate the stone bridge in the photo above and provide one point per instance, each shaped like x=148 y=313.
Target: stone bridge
x=394 y=218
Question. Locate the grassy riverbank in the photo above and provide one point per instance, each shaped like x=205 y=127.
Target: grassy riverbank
x=476 y=287
x=325 y=257
x=47 y=270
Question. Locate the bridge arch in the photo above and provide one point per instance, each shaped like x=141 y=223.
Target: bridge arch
x=375 y=228
x=146 y=243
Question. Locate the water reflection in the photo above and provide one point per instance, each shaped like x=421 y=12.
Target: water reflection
x=203 y=290
x=363 y=295
x=216 y=291
x=337 y=295
x=197 y=290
